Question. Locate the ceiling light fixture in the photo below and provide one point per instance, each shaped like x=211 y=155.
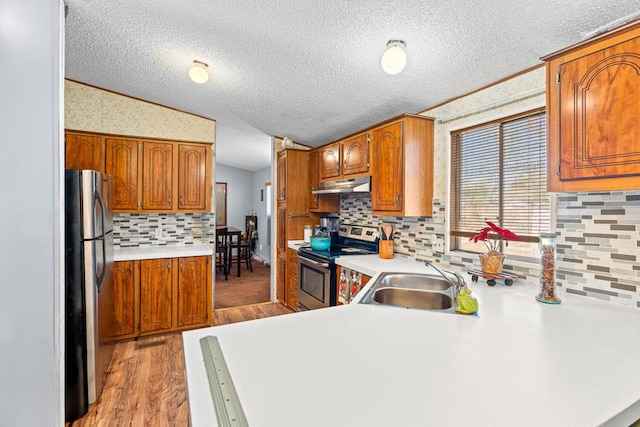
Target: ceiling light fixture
x=394 y=58
x=198 y=72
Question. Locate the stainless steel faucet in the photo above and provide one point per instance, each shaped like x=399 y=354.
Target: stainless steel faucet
x=460 y=285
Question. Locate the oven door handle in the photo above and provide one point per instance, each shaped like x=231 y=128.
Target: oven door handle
x=319 y=264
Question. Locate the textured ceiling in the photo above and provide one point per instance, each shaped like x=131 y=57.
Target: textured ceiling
x=311 y=70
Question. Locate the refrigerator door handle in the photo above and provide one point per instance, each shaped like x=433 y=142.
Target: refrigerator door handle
x=104 y=244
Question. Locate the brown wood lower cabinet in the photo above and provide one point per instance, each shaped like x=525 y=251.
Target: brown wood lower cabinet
x=292 y=279
x=161 y=295
x=194 y=297
x=281 y=284
x=125 y=288
x=155 y=295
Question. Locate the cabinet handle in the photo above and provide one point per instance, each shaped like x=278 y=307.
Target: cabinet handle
x=304 y=215
x=130 y=269
x=180 y=265
x=398 y=199
x=180 y=201
x=169 y=202
x=169 y=266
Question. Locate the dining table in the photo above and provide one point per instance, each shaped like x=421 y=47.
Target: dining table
x=235 y=238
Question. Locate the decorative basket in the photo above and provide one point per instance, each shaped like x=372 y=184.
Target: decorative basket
x=491 y=264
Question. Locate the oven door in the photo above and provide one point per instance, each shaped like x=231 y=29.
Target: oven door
x=314 y=284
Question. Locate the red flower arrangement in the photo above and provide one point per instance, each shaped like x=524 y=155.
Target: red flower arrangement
x=492 y=235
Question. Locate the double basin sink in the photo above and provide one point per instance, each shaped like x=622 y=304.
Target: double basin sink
x=412 y=290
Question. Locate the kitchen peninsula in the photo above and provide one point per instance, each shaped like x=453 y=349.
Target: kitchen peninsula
x=519 y=362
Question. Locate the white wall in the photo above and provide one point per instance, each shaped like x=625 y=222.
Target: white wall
x=30 y=218
x=259 y=179
x=239 y=193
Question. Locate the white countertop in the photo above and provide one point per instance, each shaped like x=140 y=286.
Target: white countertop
x=153 y=252
x=520 y=362
x=372 y=264
x=295 y=244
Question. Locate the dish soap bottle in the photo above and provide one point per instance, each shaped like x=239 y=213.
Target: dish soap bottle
x=466 y=304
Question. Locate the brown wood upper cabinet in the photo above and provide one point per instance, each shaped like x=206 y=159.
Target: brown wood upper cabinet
x=147 y=175
x=193 y=177
x=319 y=202
x=355 y=155
x=345 y=158
x=402 y=167
x=122 y=164
x=281 y=171
x=157 y=176
x=593 y=100
x=84 y=151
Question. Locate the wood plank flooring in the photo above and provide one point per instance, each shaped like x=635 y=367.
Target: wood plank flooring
x=146 y=383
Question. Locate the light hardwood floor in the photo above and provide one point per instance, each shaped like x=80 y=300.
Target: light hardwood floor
x=146 y=384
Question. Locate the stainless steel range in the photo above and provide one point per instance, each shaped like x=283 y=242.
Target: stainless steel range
x=317 y=281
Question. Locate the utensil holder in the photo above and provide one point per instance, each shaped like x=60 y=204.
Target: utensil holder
x=385 y=249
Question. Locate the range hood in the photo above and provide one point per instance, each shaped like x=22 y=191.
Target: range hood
x=352 y=185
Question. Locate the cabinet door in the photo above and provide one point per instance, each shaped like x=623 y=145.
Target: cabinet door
x=314 y=178
x=282 y=176
x=282 y=228
x=155 y=295
x=281 y=279
x=599 y=113
x=292 y=293
x=192 y=177
x=330 y=161
x=122 y=165
x=157 y=176
x=124 y=298
x=83 y=152
x=387 y=177
x=355 y=155
x=292 y=279
x=193 y=291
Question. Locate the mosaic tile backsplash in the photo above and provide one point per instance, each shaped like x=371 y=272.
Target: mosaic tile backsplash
x=132 y=230
x=598 y=247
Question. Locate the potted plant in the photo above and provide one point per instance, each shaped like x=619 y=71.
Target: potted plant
x=492 y=236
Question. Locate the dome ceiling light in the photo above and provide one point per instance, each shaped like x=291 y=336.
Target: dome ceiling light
x=394 y=59
x=199 y=72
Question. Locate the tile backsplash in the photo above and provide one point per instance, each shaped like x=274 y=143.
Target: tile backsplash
x=598 y=246
x=131 y=230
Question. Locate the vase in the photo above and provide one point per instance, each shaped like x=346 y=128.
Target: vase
x=547 y=292
x=491 y=263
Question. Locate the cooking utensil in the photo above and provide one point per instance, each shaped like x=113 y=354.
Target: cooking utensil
x=383 y=236
x=388 y=231
x=320 y=243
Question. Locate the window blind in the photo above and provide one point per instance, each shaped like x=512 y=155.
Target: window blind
x=499 y=175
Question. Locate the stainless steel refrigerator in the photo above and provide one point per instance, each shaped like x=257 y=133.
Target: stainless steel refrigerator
x=88 y=286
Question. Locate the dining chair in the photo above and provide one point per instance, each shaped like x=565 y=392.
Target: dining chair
x=222 y=251
x=246 y=248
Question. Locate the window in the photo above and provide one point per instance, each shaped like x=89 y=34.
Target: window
x=499 y=174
